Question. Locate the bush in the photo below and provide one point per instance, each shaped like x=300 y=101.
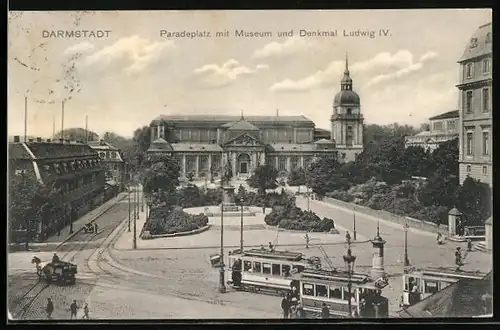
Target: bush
x=291 y=217
x=162 y=221
x=435 y=214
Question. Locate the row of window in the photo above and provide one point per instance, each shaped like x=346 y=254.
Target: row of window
x=65 y=167
x=450 y=125
x=203 y=162
x=108 y=154
x=485 y=65
x=469 y=143
x=325 y=291
x=485 y=106
x=469 y=169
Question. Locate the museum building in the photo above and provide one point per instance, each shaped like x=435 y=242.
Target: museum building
x=203 y=143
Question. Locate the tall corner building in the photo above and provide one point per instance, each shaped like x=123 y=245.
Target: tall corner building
x=475 y=107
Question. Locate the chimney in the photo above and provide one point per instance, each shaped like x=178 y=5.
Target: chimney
x=48 y=140
x=38 y=139
x=17 y=138
x=30 y=140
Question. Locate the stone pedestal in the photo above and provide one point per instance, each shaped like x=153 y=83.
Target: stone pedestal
x=228 y=199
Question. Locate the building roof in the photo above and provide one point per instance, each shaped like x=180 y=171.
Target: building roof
x=461 y=299
x=479 y=44
x=101 y=145
x=159 y=145
x=196 y=147
x=346 y=97
x=223 y=119
x=243 y=125
x=292 y=147
x=446 y=115
x=48 y=150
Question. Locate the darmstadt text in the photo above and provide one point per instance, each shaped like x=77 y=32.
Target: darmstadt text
x=75 y=33
x=239 y=33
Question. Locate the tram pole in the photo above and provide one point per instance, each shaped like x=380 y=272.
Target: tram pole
x=354 y=221
x=222 y=285
x=128 y=190
x=349 y=260
x=406 y=260
x=136 y=214
x=241 y=226
x=308 y=199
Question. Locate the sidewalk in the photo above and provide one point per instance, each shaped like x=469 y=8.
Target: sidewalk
x=78 y=224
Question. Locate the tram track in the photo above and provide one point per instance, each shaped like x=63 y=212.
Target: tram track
x=41 y=285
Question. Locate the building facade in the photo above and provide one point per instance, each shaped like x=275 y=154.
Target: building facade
x=111 y=158
x=475 y=107
x=202 y=144
x=443 y=127
x=72 y=169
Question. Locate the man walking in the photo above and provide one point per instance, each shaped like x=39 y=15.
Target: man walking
x=285 y=306
x=86 y=312
x=325 y=312
x=50 y=308
x=73 y=308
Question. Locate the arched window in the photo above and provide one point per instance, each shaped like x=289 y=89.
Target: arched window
x=349 y=111
x=349 y=136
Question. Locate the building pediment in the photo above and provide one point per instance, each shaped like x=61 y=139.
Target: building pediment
x=245 y=140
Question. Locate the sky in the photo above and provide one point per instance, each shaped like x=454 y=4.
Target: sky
x=123 y=69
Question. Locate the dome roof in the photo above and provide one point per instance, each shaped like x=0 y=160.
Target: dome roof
x=346 y=97
x=160 y=145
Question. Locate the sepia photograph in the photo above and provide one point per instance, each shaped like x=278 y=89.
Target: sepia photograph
x=252 y=164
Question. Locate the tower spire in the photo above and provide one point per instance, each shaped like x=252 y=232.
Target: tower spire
x=378 y=228
x=346 y=64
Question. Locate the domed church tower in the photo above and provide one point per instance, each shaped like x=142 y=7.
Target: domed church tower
x=347 y=120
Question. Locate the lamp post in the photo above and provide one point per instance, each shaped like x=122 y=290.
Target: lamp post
x=241 y=225
x=308 y=200
x=142 y=200
x=128 y=190
x=349 y=260
x=354 y=221
x=136 y=211
x=406 y=260
x=70 y=221
x=222 y=285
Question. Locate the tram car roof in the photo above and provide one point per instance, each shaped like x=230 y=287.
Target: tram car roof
x=271 y=254
x=448 y=272
x=326 y=277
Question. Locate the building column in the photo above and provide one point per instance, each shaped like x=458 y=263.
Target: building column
x=302 y=161
x=294 y=135
x=262 y=158
x=254 y=162
x=209 y=166
x=276 y=161
x=234 y=163
x=184 y=164
x=288 y=164
x=197 y=167
x=153 y=130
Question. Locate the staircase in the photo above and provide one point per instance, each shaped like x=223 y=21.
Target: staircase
x=480 y=246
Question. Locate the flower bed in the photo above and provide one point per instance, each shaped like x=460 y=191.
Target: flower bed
x=164 y=221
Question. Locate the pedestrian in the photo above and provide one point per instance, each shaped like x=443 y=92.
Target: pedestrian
x=347 y=236
x=293 y=311
x=73 y=308
x=55 y=258
x=86 y=312
x=95 y=228
x=271 y=246
x=469 y=245
x=458 y=257
x=307 y=241
x=285 y=306
x=300 y=311
x=325 y=312
x=50 y=308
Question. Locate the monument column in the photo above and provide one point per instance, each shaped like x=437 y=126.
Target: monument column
x=197 y=167
x=184 y=164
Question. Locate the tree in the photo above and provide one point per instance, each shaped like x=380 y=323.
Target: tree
x=264 y=177
x=439 y=190
x=474 y=201
x=322 y=175
x=160 y=180
x=241 y=194
x=297 y=177
x=444 y=159
x=134 y=153
x=77 y=134
x=425 y=127
x=416 y=161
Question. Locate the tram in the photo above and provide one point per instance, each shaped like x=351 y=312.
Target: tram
x=419 y=284
x=267 y=271
x=332 y=288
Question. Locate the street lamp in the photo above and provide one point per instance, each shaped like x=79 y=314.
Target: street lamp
x=241 y=226
x=70 y=222
x=308 y=199
x=128 y=189
x=354 y=221
x=406 y=260
x=222 y=285
x=349 y=260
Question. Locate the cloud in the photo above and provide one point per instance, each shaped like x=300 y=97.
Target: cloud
x=383 y=67
x=277 y=50
x=82 y=47
x=262 y=66
x=213 y=75
x=137 y=53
